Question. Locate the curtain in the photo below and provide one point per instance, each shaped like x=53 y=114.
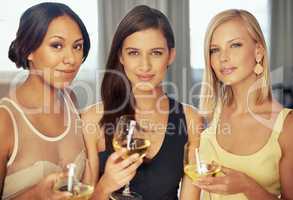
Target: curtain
x=282 y=50
x=281 y=37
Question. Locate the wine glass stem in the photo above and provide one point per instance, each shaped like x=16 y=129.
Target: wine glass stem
x=126 y=189
x=210 y=196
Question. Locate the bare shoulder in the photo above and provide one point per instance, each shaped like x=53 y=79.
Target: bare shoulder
x=191 y=113
x=93 y=113
x=286 y=138
x=6 y=133
x=93 y=134
x=5 y=143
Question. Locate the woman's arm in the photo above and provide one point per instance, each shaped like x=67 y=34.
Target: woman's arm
x=118 y=172
x=195 y=126
x=6 y=144
x=194 y=123
x=93 y=137
x=286 y=163
x=188 y=190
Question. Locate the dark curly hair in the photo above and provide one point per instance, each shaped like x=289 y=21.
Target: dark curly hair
x=33 y=27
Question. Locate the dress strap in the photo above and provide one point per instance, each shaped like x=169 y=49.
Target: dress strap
x=18 y=109
x=15 y=127
x=278 y=126
x=67 y=98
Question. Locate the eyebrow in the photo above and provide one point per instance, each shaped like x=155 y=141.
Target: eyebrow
x=234 y=39
x=156 y=48
x=61 y=38
x=229 y=41
x=131 y=48
x=80 y=39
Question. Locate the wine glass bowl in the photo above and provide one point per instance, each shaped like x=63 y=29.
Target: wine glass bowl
x=137 y=145
x=69 y=183
x=132 y=137
x=80 y=191
x=197 y=165
x=207 y=169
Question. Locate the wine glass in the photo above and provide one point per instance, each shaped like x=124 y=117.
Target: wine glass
x=129 y=134
x=69 y=183
x=197 y=165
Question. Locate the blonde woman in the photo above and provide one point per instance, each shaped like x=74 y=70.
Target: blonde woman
x=250 y=134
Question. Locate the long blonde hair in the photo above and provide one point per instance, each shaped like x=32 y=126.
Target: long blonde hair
x=212 y=90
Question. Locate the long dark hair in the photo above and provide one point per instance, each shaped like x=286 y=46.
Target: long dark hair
x=33 y=27
x=116 y=91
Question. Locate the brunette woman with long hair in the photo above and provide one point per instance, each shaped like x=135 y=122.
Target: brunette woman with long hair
x=142 y=49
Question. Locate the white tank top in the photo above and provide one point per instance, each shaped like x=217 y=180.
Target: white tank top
x=35 y=155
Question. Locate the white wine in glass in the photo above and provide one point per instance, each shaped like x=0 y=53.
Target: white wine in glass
x=196 y=165
x=79 y=190
x=138 y=145
x=131 y=136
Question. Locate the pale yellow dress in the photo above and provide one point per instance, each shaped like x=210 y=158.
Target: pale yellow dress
x=263 y=165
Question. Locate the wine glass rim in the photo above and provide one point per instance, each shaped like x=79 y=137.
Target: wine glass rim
x=127 y=116
x=138 y=125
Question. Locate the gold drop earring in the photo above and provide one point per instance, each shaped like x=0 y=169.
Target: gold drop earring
x=258 y=69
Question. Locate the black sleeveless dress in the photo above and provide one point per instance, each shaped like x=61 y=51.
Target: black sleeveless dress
x=158 y=179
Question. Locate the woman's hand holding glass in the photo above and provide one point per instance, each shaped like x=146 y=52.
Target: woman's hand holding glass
x=119 y=171
x=232 y=182
x=68 y=183
x=131 y=136
x=45 y=189
x=197 y=165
